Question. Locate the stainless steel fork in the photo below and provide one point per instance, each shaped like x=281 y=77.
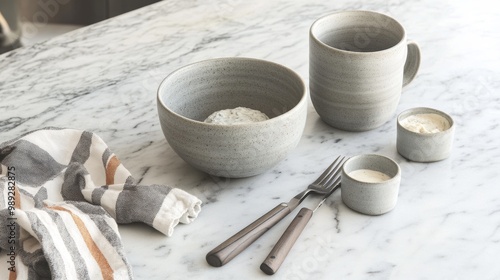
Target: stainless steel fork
x=230 y=248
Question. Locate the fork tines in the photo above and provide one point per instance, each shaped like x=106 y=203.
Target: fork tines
x=328 y=175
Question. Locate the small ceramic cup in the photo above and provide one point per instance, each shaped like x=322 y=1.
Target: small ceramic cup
x=370 y=184
x=416 y=141
x=359 y=61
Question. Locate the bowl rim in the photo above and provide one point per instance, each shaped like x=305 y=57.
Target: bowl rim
x=397 y=176
x=186 y=67
x=424 y=110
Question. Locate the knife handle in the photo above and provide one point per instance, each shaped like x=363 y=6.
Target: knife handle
x=230 y=248
x=278 y=254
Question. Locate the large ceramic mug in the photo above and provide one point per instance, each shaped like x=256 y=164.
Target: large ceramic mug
x=359 y=61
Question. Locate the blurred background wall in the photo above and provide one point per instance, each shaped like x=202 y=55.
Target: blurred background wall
x=78 y=12
x=31 y=21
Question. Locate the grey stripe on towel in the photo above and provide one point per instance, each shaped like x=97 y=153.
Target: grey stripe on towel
x=52 y=255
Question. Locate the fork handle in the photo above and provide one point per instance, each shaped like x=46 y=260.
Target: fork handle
x=278 y=254
x=230 y=248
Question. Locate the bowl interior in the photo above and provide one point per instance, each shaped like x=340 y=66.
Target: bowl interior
x=424 y=110
x=373 y=162
x=197 y=90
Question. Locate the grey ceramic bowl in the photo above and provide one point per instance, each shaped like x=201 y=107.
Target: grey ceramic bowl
x=424 y=147
x=370 y=198
x=190 y=94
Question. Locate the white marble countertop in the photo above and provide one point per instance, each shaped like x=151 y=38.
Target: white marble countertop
x=446 y=225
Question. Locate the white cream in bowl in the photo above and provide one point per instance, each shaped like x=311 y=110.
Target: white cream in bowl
x=425 y=123
x=369 y=176
x=237 y=115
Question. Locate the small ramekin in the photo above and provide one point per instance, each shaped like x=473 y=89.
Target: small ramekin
x=424 y=147
x=367 y=197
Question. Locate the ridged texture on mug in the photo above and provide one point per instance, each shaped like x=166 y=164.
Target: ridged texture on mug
x=356 y=89
x=192 y=93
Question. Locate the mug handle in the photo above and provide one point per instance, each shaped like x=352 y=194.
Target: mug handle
x=412 y=63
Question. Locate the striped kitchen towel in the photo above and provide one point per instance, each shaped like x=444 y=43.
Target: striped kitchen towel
x=62 y=193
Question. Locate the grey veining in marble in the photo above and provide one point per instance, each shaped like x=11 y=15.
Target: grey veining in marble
x=446 y=224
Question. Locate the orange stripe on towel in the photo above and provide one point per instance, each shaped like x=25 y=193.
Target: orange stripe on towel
x=17 y=198
x=106 y=270
x=12 y=275
x=111 y=167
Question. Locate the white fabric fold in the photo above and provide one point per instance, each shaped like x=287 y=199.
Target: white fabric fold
x=63 y=192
